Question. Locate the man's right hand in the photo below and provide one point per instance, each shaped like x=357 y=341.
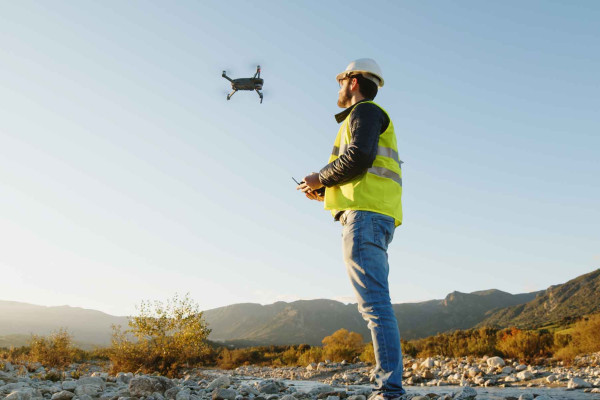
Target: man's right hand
x=314 y=196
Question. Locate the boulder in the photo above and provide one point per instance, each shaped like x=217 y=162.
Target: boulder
x=465 y=393
x=524 y=375
x=495 y=362
x=63 y=395
x=220 y=382
x=576 y=383
x=223 y=394
x=69 y=385
x=88 y=389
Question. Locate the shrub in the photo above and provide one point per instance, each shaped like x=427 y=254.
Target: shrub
x=525 y=345
x=169 y=337
x=368 y=354
x=314 y=354
x=54 y=351
x=584 y=338
x=342 y=345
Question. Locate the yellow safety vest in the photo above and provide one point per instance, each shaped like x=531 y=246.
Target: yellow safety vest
x=379 y=189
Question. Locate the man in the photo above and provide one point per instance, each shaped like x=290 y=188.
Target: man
x=362 y=187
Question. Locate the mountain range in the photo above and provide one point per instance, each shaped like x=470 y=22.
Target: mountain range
x=309 y=321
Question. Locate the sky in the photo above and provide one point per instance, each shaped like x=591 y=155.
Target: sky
x=126 y=175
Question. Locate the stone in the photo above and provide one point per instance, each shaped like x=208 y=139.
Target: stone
x=356 y=397
x=311 y=367
x=63 y=395
x=320 y=389
x=465 y=393
x=526 y=396
x=88 y=389
x=69 y=385
x=551 y=378
x=508 y=370
x=185 y=394
x=428 y=363
x=246 y=390
x=224 y=394
x=220 y=382
x=576 y=383
x=268 y=387
x=521 y=367
x=495 y=362
x=91 y=380
x=524 y=375
x=124 y=377
x=141 y=386
x=171 y=393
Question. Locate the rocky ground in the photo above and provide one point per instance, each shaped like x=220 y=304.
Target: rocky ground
x=335 y=381
x=440 y=371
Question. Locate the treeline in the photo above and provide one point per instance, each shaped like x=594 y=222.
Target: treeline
x=169 y=338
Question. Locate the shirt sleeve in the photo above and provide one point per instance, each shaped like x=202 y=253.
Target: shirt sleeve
x=367 y=122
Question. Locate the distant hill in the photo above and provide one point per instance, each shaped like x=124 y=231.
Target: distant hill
x=309 y=321
x=576 y=298
x=86 y=326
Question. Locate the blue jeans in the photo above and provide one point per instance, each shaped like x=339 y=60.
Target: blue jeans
x=365 y=239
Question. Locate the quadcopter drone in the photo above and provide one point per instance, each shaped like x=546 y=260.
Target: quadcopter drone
x=254 y=83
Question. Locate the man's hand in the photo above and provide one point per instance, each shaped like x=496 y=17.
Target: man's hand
x=309 y=185
x=312 y=181
x=314 y=196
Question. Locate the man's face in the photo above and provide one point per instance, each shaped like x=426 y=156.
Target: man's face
x=344 y=95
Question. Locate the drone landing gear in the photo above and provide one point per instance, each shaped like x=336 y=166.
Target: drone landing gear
x=260 y=95
x=231 y=94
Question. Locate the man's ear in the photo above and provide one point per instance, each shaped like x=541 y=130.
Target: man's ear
x=353 y=84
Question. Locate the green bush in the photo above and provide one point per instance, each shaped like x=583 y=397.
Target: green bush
x=168 y=337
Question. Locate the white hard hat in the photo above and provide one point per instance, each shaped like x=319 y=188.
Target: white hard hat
x=367 y=67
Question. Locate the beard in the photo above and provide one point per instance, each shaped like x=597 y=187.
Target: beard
x=344 y=98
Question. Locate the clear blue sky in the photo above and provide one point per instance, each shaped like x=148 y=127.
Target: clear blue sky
x=125 y=175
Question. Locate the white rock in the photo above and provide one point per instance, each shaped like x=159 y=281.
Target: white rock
x=508 y=370
x=220 y=382
x=576 y=383
x=495 y=362
x=428 y=363
x=551 y=378
x=524 y=375
x=521 y=367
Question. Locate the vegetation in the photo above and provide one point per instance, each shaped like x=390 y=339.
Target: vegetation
x=167 y=337
x=164 y=338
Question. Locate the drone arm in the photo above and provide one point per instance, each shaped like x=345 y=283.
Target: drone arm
x=231 y=94
x=226 y=77
x=260 y=95
x=257 y=74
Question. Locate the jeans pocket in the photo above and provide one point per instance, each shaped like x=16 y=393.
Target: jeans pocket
x=383 y=230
